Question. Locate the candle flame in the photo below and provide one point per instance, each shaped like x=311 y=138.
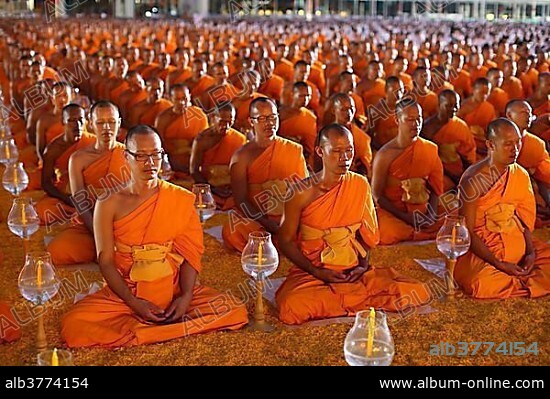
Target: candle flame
x=55 y=358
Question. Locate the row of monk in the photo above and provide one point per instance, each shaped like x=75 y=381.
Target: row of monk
x=148 y=237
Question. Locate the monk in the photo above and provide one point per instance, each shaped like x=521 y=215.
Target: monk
x=221 y=91
x=133 y=95
x=94 y=172
x=149 y=247
x=298 y=123
x=251 y=81
x=199 y=80
x=272 y=85
x=540 y=100
x=511 y=84
x=57 y=205
x=477 y=112
x=212 y=151
x=118 y=84
x=533 y=155
x=327 y=232
x=260 y=174
x=283 y=67
x=145 y=112
x=504 y=260
x=49 y=125
x=381 y=117
x=407 y=180
x=477 y=69
x=455 y=142
x=10 y=331
x=344 y=114
x=372 y=87
x=426 y=98
x=302 y=71
x=461 y=78
x=497 y=97
x=182 y=72
x=178 y=126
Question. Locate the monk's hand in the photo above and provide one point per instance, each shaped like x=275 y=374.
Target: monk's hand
x=271 y=226
x=356 y=273
x=223 y=192
x=178 y=308
x=511 y=268
x=528 y=263
x=330 y=276
x=148 y=311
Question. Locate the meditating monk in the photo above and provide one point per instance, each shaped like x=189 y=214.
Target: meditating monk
x=251 y=82
x=461 y=78
x=298 y=123
x=146 y=112
x=407 y=180
x=540 y=100
x=477 y=112
x=455 y=142
x=426 y=98
x=118 y=84
x=347 y=84
x=178 y=126
x=533 y=155
x=381 y=117
x=212 y=151
x=149 y=247
x=133 y=95
x=328 y=231
x=372 y=87
x=272 y=85
x=221 y=92
x=10 y=330
x=497 y=201
x=302 y=71
x=260 y=174
x=94 y=172
x=57 y=206
x=497 y=97
x=182 y=71
x=477 y=69
x=283 y=67
x=199 y=80
x=511 y=84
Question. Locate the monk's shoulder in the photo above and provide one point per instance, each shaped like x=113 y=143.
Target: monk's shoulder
x=182 y=196
x=430 y=146
x=56 y=147
x=534 y=140
x=291 y=146
x=520 y=172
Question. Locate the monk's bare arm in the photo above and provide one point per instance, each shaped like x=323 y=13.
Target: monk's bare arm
x=78 y=190
x=544 y=192
x=51 y=153
x=31 y=127
x=380 y=168
x=40 y=138
x=239 y=187
x=195 y=162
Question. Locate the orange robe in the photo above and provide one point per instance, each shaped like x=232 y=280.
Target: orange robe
x=498 y=98
x=361 y=145
x=544 y=108
x=513 y=88
x=476 y=73
x=317 y=76
x=375 y=93
x=347 y=207
x=418 y=165
x=76 y=244
x=429 y=103
x=285 y=69
x=499 y=217
x=114 y=95
x=268 y=177
x=301 y=128
x=9 y=327
x=166 y=220
x=243 y=109
x=383 y=122
x=455 y=142
x=51 y=209
x=273 y=88
x=179 y=135
x=478 y=120
x=462 y=83
x=149 y=116
x=215 y=162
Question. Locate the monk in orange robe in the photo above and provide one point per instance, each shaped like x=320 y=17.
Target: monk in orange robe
x=426 y=98
x=94 y=172
x=178 y=126
x=527 y=75
x=182 y=71
x=260 y=174
x=460 y=77
x=251 y=82
x=511 y=84
x=57 y=206
x=327 y=232
x=477 y=112
x=199 y=80
x=407 y=180
x=497 y=97
x=133 y=95
x=149 y=66
x=381 y=117
x=504 y=260
x=477 y=69
x=540 y=100
x=149 y=246
x=10 y=330
x=344 y=114
x=372 y=88
x=164 y=67
x=302 y=71
x=118 y=84
x=145 y=112
x=221 y=91
x=441 y=79
x=212 y=151
x=317 y=75
x=272 y=85
x=283 y=67
x=298 y=123
x=533 y=156
x=455 y=142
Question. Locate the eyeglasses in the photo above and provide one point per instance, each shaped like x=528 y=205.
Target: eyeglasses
x=265 y=118
x=156 y=156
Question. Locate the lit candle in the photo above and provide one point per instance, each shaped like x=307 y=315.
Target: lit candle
x=453 y=236
x=200 y=198
x=39 y=274
x=55 y=358
x=370 y=334
x=260 y=255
